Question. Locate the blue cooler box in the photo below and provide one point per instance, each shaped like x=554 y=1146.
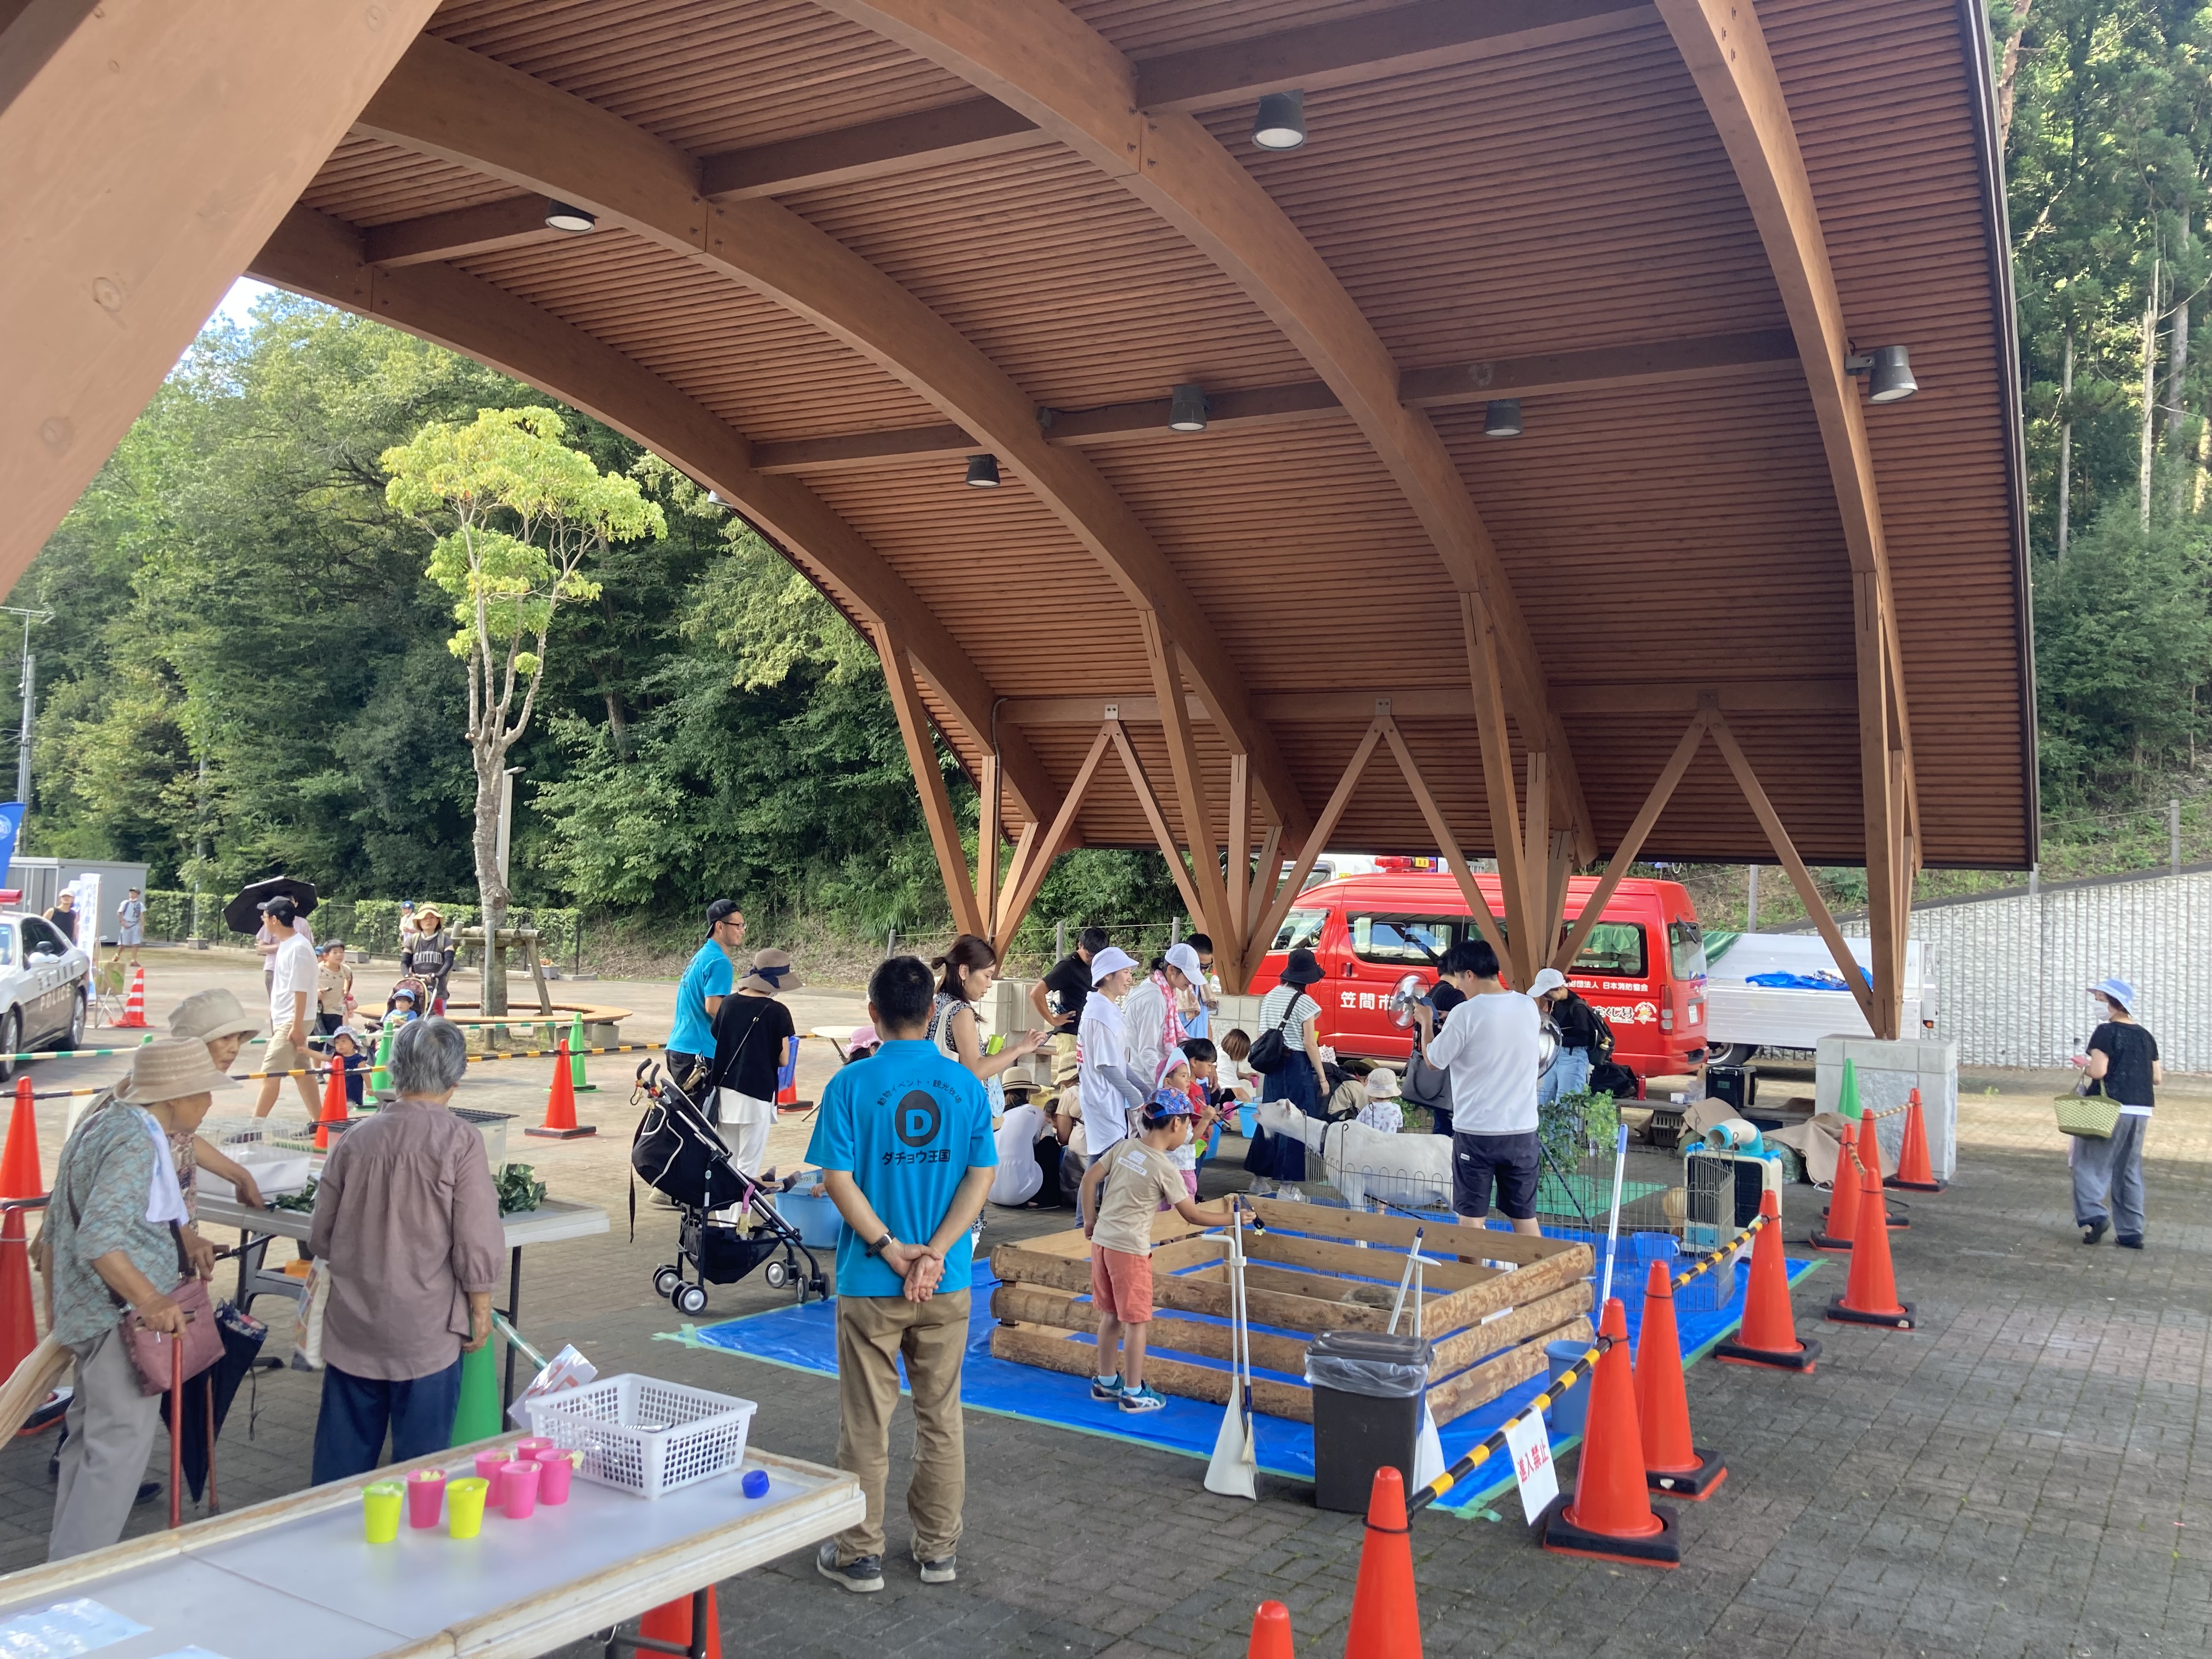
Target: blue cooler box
x=814 y=1215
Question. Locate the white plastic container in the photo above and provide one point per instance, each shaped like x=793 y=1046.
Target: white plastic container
x=643 y=1436
x=276 y=1170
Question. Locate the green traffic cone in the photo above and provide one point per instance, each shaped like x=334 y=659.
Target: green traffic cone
x=379 y=1077
x=477 y=1418
x=1847 y=1094
x=576 y=1053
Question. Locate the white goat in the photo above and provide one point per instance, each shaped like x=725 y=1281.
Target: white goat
x=1414 y=1170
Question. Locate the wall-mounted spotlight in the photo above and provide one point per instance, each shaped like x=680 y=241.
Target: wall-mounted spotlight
x=559 y=216
x=982 y=472
x=1187 y=409
x=1888 y=372
x=1501 y=418
x=1281 y=123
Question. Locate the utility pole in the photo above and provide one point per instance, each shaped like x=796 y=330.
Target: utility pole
x=27 y=686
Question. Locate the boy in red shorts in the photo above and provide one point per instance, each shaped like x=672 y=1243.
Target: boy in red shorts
x=1121 y=1193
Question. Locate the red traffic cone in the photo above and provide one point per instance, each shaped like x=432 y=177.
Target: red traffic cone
x=1610 y=1517
x=671 y=1622
x=1769 y=1336
x=1386 y=1621
x=561 y=1104
x=19 y=1330
x=1671 y=1463
x=1914 y=1172
x=1870 y=1167
x=334 y=1105
x=1843 y=1212
x=1271 y=1632
x=19 y=1163
x=134 y=1010
x=1870 y=1295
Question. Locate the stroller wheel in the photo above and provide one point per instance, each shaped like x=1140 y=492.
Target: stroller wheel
x=690 y=1299
x=666 y=1279
x=777 y=1275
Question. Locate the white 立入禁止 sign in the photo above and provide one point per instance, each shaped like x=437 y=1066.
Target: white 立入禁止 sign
x=1533 y=1469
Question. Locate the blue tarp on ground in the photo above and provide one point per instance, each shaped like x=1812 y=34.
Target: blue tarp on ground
x=805 y=1339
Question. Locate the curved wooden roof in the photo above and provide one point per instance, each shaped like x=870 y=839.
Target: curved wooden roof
x=842 y=246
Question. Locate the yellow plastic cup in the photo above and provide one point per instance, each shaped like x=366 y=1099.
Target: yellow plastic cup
x=464 y=1505
x=381 y=1502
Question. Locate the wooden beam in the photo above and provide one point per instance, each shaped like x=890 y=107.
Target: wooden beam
x=1212 y=914
x=1447 y=843
x=1618 y=862
x=1233 y=960
x=1668 y=362
x=1039 y=57
x=929 y=781
x=1047 y=845
x=1481 y=641
x=1293 y=880
x=1030 y=1304
x=1438 y=1237
x=516 y=222
x=1799 y=877
x=1076 y=1354
x=1536 y=860
x=1403 y=40
x=1014 y=1264
x=1268 y=868
x=968 y=131
x=1017 y=867
x=986 y=845
x=1148 y=803
x=315 y=255
x=150 y=148
x=444 y=101
x=1822 y=695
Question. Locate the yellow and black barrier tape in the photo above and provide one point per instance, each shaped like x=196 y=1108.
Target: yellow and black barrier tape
x=324 y=1071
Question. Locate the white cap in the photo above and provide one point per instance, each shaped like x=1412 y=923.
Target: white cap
x=1169 y=1061
x=1548 y=980
x=1184 y=959
x=1111 y=960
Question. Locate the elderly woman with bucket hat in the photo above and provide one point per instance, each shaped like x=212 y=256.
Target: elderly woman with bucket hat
x=114 y=1243
x=2122 y=1063
x=1276 y=1163
x=754 y=1039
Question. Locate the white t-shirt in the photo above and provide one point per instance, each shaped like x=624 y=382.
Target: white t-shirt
x=291 y=969
x=1488 y=1044
x=1017 y=1179
x=1105 y=1112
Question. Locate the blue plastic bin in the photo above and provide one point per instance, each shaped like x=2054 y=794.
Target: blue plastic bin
x=1247 y=1118
x=814 y=1215
x=1566 y=1413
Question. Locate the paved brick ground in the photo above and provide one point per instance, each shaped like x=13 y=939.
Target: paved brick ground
x=2016 y=1478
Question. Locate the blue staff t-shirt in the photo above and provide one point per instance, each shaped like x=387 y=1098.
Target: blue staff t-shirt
x=710 y=975
x=907 y=1124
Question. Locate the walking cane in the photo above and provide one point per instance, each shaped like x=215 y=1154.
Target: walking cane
x=177 y=1431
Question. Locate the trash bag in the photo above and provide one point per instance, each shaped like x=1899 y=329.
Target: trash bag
x=1369 y=1363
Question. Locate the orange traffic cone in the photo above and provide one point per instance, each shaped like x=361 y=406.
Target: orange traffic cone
x=1870 y=1295
x=1270 y=1631
x=1386 y=1622
x=671 y=1622
x=1914 y=1172
x=334 y=1105
x=19 y=1163
x=18 y=1330
x=561 y=1104
x=134 y=1010
x=1611 y=1516
x=1843 y=1211
x=1671 y=1463
x=1870 y=1167
x=1769 y=1336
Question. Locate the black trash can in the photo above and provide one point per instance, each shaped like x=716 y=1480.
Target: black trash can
x=1737 y=1084
x=1367 y=1391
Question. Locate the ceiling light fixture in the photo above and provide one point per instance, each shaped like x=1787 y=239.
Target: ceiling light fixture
x=1187 y=409
x=1281 y=123
x=559 y=216
x=982 y=472
x=1501 y=418
x=1888 y=371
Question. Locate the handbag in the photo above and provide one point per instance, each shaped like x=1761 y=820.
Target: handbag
x=307 y=1318
x=2092 y=1117
x=1270 y=1051
x=151 y=1351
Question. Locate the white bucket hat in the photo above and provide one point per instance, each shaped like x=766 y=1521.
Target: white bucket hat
x=1111 y=960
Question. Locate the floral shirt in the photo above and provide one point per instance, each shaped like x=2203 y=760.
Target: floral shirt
x=100 y=1193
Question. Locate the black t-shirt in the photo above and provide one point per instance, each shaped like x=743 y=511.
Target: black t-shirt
x=1067 y=987
x=2129 y=1051
x=751 y=1036
x=1576 y=1025
x=65 y=921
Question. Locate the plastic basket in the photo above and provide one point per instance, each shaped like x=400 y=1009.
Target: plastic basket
x=643 y=1436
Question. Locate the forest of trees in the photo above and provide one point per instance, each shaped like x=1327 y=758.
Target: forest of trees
x=248 y=666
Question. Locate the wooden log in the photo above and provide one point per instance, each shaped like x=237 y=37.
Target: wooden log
x=1168 y=1229
x=1077 y=1356
x=1020 y=1304
x=1437 y=1238
x=1461 y=1349
x=1517 y=1289
x=1204 y=1292
x=1328 y=1289
x=1457 y=1395
x=1440 y=1274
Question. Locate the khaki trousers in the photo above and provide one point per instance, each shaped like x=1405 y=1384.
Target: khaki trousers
x=873 y=1333
x=111 y=1427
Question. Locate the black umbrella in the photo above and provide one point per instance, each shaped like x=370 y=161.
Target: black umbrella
x=242 y=914
x=242 y=1336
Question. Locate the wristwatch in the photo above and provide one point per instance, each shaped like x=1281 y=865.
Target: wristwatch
x=877 y=1248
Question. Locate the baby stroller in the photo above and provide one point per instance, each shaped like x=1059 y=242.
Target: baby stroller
x=677 y=1151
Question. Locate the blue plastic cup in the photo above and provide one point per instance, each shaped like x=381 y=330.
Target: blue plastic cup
x=1569 y=1410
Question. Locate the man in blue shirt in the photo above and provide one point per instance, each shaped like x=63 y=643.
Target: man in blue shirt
x=706 y=981
x=903 y=1140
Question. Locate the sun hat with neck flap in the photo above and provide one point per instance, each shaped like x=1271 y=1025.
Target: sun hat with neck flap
x=173 y=1070
x=206 y=1015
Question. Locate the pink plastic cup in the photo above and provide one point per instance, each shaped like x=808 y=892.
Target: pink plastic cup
x=426 y=1496
x=554 y=1468
x=527 y=1447
x=489 y=1465
x=518 y=1492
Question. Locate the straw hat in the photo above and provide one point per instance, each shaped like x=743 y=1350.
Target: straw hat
x=771 y=973
x=170 y=1071
x=206 y=1015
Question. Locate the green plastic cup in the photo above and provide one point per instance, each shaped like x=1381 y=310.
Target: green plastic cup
x=464 y=1505
x=381 y=1502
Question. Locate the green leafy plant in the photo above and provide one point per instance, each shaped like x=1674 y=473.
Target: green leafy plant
x=519 y=1189
x=303 y=1200
x=1576 y=1124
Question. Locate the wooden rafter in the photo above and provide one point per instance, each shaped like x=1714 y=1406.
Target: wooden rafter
x=446 y=101
x=320 y=257
x=875 y=149
x=1293 y=880
x=929 y=781
x=516 y=222
x=1498 y=776
x=986 y=844
x=1033 y=859
x=1447 y=843
x=1210 y=910
x=1040 y=58
x=1232 y=961
x=1149 y=803
x=1457 y=702
x=1618 y=861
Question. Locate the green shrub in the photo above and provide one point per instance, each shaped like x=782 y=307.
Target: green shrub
x=1576 y=1125
x=371 y=926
